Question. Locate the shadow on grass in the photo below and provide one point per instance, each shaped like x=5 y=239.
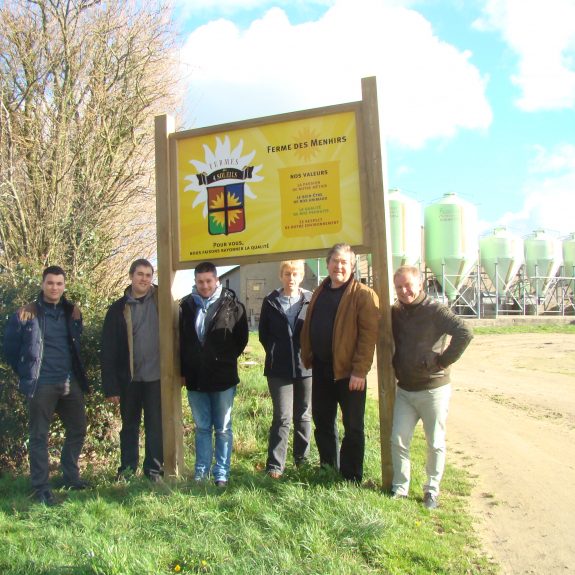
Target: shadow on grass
x=16 y=495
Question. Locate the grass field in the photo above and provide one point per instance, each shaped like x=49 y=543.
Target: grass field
x=310 y=522
x=525 y=328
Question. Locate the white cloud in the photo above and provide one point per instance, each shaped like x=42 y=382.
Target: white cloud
x=548 y=200
x=403 y=170
x=562 y=157
x=237 y=5
x=426 y=87
x=542 y=34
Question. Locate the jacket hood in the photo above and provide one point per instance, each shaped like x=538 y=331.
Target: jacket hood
x=274 y=296
x=129 y=297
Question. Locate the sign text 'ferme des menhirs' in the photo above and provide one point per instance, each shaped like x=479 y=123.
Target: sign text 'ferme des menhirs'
x=272 y=188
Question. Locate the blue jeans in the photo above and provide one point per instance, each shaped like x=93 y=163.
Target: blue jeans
x=213 y=410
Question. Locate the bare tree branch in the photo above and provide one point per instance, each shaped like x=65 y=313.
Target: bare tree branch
x=80 y=83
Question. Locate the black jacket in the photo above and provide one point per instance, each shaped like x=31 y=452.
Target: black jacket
x=281 y=344
x=116 y=358
x=420 y=332
x=24 y=343
x=213 y=366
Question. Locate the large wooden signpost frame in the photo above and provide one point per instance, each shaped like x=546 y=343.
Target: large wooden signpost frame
x=375 y=225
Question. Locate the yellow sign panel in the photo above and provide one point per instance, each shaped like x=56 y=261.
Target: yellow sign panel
x=283 y=187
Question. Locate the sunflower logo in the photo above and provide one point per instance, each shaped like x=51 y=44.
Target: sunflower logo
x=221 y=184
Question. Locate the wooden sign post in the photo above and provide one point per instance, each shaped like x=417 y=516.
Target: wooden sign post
x=280 y=187
x=168 y=308
x=381 y=257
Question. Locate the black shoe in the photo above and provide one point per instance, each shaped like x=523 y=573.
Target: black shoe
x=78 y=485
x=45 y=497
x=154 y=476
x=125 y=474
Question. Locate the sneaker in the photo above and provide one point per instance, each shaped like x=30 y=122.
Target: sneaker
x=45 y=497
x=430 y=501
x=274 y=474
x=78 y=485
x=221 y=483
x=396 y=495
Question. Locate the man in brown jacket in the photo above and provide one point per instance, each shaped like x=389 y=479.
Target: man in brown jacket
x=338 y=340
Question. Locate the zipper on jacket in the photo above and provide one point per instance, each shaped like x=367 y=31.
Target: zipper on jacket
x=42 y=328
x=280 y=309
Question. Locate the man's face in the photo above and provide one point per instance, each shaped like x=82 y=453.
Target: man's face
x=339 y=268
x=53 y=287
x=291 y=278
x=407 y=287
x=141 y=280
x=206 y=284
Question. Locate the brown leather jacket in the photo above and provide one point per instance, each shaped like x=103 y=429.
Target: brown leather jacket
x=354 y=332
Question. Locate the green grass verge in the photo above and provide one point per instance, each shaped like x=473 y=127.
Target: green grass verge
x=525 y=328
x=310 y=522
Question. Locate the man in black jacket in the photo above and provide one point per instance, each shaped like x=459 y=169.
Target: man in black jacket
x=130 y=365
x=42 y=345
x=421 y=361
x=213 y=334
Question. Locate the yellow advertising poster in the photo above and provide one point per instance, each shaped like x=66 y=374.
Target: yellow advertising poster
x=280 y=187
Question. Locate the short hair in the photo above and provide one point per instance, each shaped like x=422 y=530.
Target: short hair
x=205 y=267
x=298 y=265
x=341 y=249
x=140 y=263
x=413 y=270
x=54 y=270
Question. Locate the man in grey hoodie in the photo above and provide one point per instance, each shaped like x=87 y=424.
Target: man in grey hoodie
x=131 y=369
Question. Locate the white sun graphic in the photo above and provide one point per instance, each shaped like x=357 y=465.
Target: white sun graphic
x=223 y=157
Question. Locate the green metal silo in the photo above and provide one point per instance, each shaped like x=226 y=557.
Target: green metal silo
x=318 y=266
x=543 y=258
x=451 y=242
x=405 y=229
x=501 y=257
x=569 y=256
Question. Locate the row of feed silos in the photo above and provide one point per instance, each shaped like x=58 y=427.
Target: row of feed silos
x=452 y=245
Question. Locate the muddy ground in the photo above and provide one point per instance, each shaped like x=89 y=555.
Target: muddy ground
x=512 y=426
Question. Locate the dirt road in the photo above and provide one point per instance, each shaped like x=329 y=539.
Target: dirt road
x=512 y=425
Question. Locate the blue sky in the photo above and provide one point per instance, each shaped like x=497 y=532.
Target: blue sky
x=476 y=97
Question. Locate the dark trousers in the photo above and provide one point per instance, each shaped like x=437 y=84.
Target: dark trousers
x=135 y=397
x=327 y=394
x=47 y=400
x=291 y=399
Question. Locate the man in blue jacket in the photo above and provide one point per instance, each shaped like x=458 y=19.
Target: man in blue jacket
x=42 y=345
